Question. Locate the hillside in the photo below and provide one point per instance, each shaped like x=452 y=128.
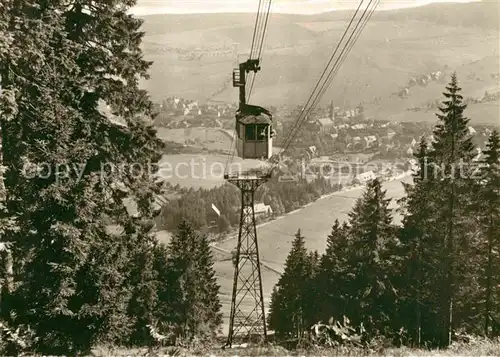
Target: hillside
x=275 y=238
x=395 y=46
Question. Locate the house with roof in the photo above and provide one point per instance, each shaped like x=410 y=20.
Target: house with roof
x=262 y=210
x=311 y=150
x=358 y=126
x=370 y=140
x=326 y=125
x=390 y=133
x=365 y=177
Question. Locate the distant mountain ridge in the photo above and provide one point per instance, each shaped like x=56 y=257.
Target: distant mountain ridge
x=482 y=14
x=395 y=46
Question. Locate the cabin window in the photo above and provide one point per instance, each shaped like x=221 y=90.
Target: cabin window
x=261 y=132
x=250 y=132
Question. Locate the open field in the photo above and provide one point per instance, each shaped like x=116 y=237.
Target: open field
x=480 y=113
x=395 y=46
x=475 y=78
x=478 y=348
x=209 y=138
x=275 y=237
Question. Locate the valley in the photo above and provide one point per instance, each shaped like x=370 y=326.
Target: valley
x=391 y=51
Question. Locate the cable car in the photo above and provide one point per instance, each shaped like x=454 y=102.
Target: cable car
x=254 y=132
x=254 y=129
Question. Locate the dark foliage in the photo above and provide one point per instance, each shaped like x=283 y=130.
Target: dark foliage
x=422 y=283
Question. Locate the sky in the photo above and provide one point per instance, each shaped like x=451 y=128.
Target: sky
x=148 y=7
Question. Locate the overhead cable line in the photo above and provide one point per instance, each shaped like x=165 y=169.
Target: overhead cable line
x=343 y=55
x=258 y=39
x=351 y=45
x=262 y=39
x=298 y=121
x=255 y=29
x=317 y=95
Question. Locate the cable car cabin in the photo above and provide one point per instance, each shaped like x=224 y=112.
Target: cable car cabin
x=255 y=133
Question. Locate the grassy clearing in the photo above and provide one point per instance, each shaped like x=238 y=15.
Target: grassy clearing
x=204 y=138
x=478 y=348
x=481 y=113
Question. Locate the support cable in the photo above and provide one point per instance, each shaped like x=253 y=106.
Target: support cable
x=363 y=20
x=258 y=39
x=297 y=122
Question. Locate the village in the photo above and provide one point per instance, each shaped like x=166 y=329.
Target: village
x=338 y=144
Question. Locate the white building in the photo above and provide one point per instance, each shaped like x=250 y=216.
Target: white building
x=370 y=140
x=365 y=177
x=261 y=209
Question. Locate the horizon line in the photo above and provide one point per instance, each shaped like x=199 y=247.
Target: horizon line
x=147 y=11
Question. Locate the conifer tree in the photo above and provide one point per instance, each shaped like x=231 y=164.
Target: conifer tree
x=312 y=289
x=144 y=282
x=422 y=268
x=277 y=319
x=209 y=290
x=161 y=318
x=452 y=153
x=333 y=275
x=194 y=308
x=489 y=213
x=288 y=317
x=371 y=234
x=61 y=64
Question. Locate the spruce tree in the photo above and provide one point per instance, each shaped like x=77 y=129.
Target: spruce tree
x=144 y=282
x=162 y=313
x=194 y=308
x=60 y=65
x=421 y=271
x=452 y=153
x=312 y=290
x=288 y=317
x=371 y=234
x=211 y=318
x=277 y=319
x=488 y=210
x=333 y=275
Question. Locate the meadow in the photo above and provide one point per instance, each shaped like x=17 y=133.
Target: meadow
x=198 y=137
x=477 y=347
x=395 y=46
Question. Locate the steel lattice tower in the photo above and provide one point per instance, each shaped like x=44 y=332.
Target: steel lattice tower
x=247 y=320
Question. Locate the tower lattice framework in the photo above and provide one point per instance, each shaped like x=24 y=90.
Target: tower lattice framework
x=247 y=320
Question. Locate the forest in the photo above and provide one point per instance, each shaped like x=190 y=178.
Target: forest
x=196 y=205
x=423 y=284
x=70 y=285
